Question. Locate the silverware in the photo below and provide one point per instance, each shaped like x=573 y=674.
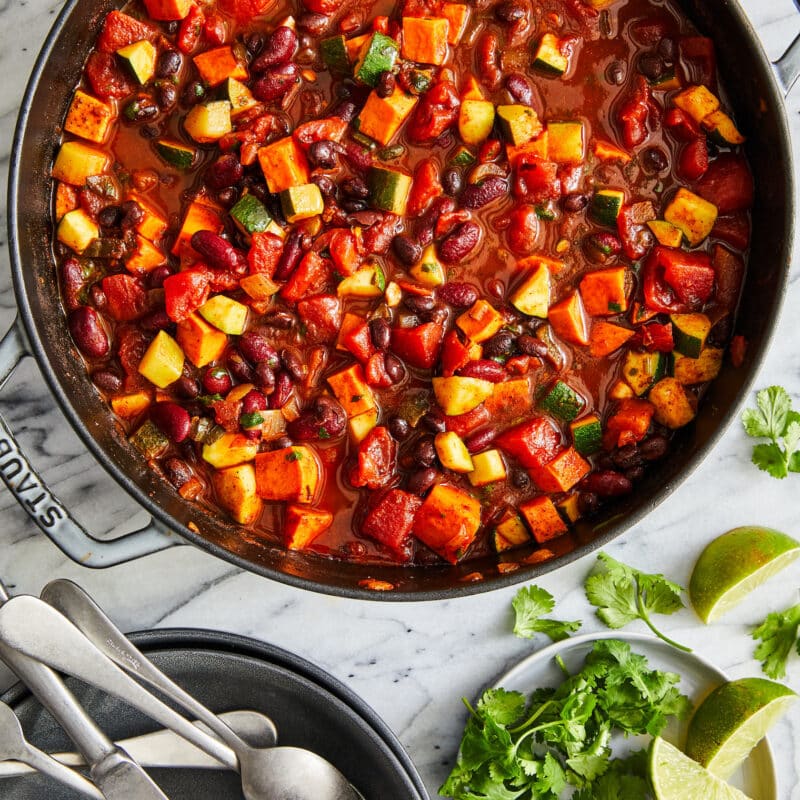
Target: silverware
x=116 y=775
x=14 y=745
x=165 y=749
x=32 y=627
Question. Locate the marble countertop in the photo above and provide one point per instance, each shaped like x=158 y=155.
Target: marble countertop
x=411 y=662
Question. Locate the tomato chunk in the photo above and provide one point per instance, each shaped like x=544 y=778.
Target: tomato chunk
x=185 y=292
x=120 y=30
x=418 y=346
x=377 y=460
x=126 y=297
x=533 y=443
x=676 y=281
x=390 y=522
x=728 y=184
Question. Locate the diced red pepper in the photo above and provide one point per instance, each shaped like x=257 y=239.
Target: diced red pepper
x=464 y=424
x=454 y=354
x=185 y=292
x=681 y=125
x=634 y=113
x=728 y=184
x=418 y=346
x=649 y=30
x=106 y=77
x=629 y=423
x=377 y=460
x=699 y=60
x=633 y=233
x=657 y=337
x=343 y=248
x=323 y=6
x=390 y=521
x=733 y=229
x=126 y=297
x=676 y=281
x=359 y=342
x=245 y=10
x=322 y=316
x=425 y=187
x=191 y=29
x=693 y=160
x=264 y=254
x=381 y=25
x=375 y=372
x=310 y=277
x=215 y=31
x=533 y=443
x=536 y=179
x=436 y=111
x=120 y=30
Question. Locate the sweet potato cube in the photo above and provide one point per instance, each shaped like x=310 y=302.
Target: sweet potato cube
x=605 y=338
x=448 y=522
x=235 y=488
x=168 y=10
x=604 y=292
x=152 y=225
x=425 y=40
x=480 y=322
x=381 y=117
x=390 y=522
x=457 y=16
x=674 y=407
x=76 y=162
x=202 y=343
x=89 y=117
x=351 y=390
x=568 y=320
x=302 y=525
x=201 y=215
x=66 y=200
x=629 y=423
x=562 y=473
x=543 y=519
x=218 y=64
x=131 y=405
x=284 y=164
x=510 y=400
x=291 y=474
x=145 y=257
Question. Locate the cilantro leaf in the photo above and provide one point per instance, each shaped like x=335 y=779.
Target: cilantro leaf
x=770 y=458
x=775 y=420
x=778 y=636
x=503 y=707
x=530 y=604
x=623 y=594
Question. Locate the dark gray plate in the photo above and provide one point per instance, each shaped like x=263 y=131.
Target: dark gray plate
x=309 y=707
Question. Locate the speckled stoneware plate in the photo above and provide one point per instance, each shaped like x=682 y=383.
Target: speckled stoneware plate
x=309 y=707
x=698 y=677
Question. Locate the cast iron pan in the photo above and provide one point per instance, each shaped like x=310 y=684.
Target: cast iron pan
x=41 y=331
x=309 y=707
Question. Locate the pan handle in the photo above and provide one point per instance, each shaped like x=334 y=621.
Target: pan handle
x=44 y=508
x=787 y=67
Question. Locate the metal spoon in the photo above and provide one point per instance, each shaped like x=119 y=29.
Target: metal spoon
x=280 y=773
x=14 y=745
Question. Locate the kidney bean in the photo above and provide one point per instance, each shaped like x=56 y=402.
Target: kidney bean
x=531 y=346
x=607 y=483
x=255 y=348
x=575 y=202
x=460 y=295
x=225 y=171
x=460 y=243
x=477 y=195
x=290 y=256
x=324 y=420
x=399 y=427
x=264 y=377
x=480 y=440
x=217 y=380
x=378 y=237
x=293 y=364
x=141 y=108
x=386 y=84
x=325 y=184
x=186 y=387
x=275 y=82
x=322 y=154
x=253 y=401
x=178 y=472
x=156 y=277
x=312 y=23
x=238 y=367
x=172 y=420
x=358 y=157
x=253 y=42
x=283 y=320
x=654 y=160
x=219 y=253
x=278 y=49
x=635 y=473
x=72 y=281
x=168 y=63
x=88 y=332
x=627 y=457
x=281 y=443
x=283 y=390
x=157 y=320
x=394 y=368
x=193 y=94
x=488 y=55
x=485 y=369
x=500 y=345
x=107 y=381
x=167 y=97
x=422 y=480
x=419 y=303
x=346 y=110
x=406 y=249
x=588 y=502
x=434 y=422
x=520 y=89
x=654 y=447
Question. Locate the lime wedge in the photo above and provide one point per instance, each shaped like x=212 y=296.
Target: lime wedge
x=732 y=720
x=734 y=565
x=676 y=777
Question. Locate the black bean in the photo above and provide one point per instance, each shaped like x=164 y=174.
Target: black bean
x=322 y=155
x=110 y=216
x=254 y=42
x=575 y=202
x=422 y=480
x=386 y=84
x=654 y=448
x=520 y=479
x=380 y=333
x=434 y=422
x=353 y=206
x=178 y=472
x=654 y=160
x=167 y=97
x=187 y=388
x=325 y=184
x=424 y=452
x=510 y=11
x=394 y=368
x=627 y=457
x=283 y=320
x=419 y=304
x=132 y=214
x=406 y=249
x=651 y=66
x=193 y=94
x=668 y=50
x=356 y=187
x=501 y=344
x=452 y=181
x=168 y=63
x=399 y=427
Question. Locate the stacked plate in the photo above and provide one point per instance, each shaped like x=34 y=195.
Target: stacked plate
x=226 y=672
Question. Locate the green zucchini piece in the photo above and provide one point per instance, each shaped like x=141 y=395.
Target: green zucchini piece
x=721 y=129
x=587 y=434
x=606 y=206
x=463 y=157
x=510 y=532
x=238 y=95
x=149 y=440
x=519 y=123
x=378 y=56
x=549 y=58
x=388 y=189
x=334 y=55
x=643 y=370
x=250 y=214
x=665 y=82
x=562 y=402
x=176 y=153
x=301 y=202
x=704 y=368
x=140 y=58
x=690 y=332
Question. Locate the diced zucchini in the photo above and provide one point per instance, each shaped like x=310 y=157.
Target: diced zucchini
x=239 y=96
x=140 y=58
x=690 y=332
x=697 y=101
x=570 y=508
x=302 y=202
x=562 y=402
x=149 y=440
x=89 y=117
x=429 y=270
x=382 y=117
x=235 y=489
x=389 y=189
x=210 y=122
x=665 y=232
x=77 y=230
x=706 y=367
x=475 y=120
x=665 y=82
x=510 y=532
x=587 y=434
x=250 y=215
x=642 y=370
x=606 y=206
x=225 y=314
x=692 y=214
x=360 y=425
x=162 y=363
x=376 y=57
x=77 y=161
x=549 y=58
x=230 y=450
x=532 y=297
x=334 y=55
x=674 y=408
x=458 y=395
x=489 y=468
x=176 y=153
x=519 y=123
x=722 y=130
x=369 y=281
x=452 y=452
x=566 y=143
x=463 y=157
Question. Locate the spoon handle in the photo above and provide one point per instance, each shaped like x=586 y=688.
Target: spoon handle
x=80 y=609
x=47 y=765
x=32 y=627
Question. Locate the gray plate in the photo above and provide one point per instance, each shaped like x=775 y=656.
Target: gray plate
x=309 y=707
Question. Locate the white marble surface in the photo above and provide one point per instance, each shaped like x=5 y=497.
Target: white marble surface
x=411 y=662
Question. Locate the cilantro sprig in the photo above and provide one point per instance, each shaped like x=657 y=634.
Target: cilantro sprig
x=530 y=604
x=517 y=747
x=623 y=594
x=775 y=420
x=778 y=636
